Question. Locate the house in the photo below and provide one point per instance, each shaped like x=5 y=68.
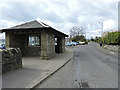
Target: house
x=35 y=39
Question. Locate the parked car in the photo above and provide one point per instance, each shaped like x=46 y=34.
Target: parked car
x=81 y=42
x=74 y=43
x=68 y=44
x=71 y=44
x=2 y=46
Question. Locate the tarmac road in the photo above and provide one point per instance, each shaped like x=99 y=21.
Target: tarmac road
x=90 y=65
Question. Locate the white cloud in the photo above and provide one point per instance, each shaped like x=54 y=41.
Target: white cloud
x=6 y=24
x=95 y=31
x=108 y=24
x=62 y=14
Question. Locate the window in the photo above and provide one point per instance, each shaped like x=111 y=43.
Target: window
x=34 y=40
x=55 y=41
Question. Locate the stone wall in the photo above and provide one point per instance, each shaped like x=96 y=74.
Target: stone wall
x=47 y=45
x=15 y=40
x=63 y=44
x=51 y=45
x=30 y=51
x=45 y=51
x=21 y=41
x=112 y=47
x=11 y=59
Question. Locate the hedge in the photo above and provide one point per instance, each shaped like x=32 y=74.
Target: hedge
x=112 y=38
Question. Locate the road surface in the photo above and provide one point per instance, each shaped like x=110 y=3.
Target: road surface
x=89 y=65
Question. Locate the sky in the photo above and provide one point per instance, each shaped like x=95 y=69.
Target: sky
x=62 y=14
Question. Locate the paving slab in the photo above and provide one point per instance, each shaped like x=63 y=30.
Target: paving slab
x=34 y=71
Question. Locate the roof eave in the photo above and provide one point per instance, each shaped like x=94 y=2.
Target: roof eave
x=9 y=29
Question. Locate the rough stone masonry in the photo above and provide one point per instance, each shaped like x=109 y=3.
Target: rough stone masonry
x=11 y=59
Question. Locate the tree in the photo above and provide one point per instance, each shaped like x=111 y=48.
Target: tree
x=76 y=31
x=78 y=38
x=92 y=39
x=96 y=39
x=73 y=31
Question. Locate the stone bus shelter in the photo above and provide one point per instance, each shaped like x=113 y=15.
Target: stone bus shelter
x=35 y=39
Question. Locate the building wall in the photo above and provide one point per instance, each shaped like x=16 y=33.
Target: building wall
x=21 y=41
x=63 y=44
x=51 y=45
x=47 y=45
x=7 y=40
x=45 y=51
x=15 y=41
x=30 y=51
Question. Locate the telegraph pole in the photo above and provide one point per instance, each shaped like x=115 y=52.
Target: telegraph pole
x=101 y=31
x=101 y=28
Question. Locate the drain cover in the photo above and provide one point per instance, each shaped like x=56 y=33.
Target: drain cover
x=83 y=85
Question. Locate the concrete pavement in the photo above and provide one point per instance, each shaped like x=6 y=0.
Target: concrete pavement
x=34 y=71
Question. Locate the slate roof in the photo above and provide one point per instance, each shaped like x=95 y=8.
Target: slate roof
x=31 y=24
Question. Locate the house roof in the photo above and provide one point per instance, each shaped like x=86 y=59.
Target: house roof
x=29 y=25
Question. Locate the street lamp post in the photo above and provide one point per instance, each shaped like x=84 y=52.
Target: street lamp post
x=101 y=31
x=101 y=28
